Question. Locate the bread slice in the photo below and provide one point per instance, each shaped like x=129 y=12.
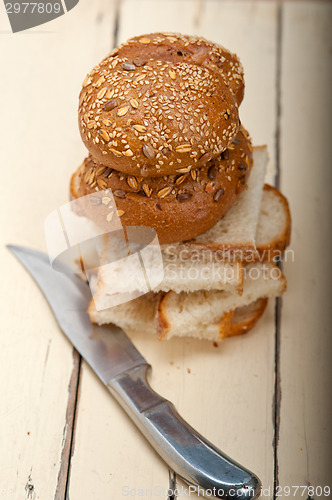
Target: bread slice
x=272 y=237
x=178 y=313
x=245 y=318
x=139 y=272
x=139 y=316
x=274 y=224
x=234 y=235
x=185 y=264
x=210 y=315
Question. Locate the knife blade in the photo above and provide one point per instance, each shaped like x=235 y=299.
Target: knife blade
x=123 y=370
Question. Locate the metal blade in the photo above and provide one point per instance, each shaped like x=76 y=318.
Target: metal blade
x=107 y=349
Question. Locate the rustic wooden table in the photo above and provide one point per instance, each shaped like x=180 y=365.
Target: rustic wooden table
x=264 y=398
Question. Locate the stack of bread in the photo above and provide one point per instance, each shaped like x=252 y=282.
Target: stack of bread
x=160 y=119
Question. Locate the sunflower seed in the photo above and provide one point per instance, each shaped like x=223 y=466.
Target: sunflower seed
x=119 y=193
x=212 y=172
x=107 y=122
x=205 y=158
x=225 y=155
x=242 y=166
x=236 y=141
x=110 y=105
x=127 y=66
x=148 y=151
x=193 y=174
x=138 y=61
x=183 y=196
x=219 y=194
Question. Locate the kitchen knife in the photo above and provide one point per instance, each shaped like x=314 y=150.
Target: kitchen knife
x=123 y=370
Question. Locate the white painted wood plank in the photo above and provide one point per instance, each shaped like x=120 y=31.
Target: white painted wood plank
x=42 y=70
x=228 y=393
x=304 y=451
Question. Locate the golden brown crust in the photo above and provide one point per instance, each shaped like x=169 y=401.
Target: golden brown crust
x=162 y=324
x=169 y=113
x=244 y=318
x=234 y=322
x=178 y=207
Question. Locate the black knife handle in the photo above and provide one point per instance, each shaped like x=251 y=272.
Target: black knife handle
x=188 y=453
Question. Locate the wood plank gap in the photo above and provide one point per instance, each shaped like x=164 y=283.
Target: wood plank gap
x=72 y=442
x=278 y=94
x=278 y=302
x=116 y=24
x=277 y=395
x=69 y=429
x=172 y=486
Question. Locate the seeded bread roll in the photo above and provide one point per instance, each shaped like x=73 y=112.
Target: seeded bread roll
x=176 y=48
x=179 y=207
x=151 y=118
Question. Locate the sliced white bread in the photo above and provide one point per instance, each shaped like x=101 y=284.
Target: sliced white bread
x=235 y=233
x=138 y=273
x=274 y=224
x=178 y=313
x=207 y=315
x=272 y=237
x=139 y=316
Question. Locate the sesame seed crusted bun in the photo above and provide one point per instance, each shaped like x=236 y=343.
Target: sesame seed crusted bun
x=179 y=207
x=146 y=115
x=176 y=48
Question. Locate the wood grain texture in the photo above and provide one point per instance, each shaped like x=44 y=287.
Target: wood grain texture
x=42 y=70
x=304 y=451
x=224 y=392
